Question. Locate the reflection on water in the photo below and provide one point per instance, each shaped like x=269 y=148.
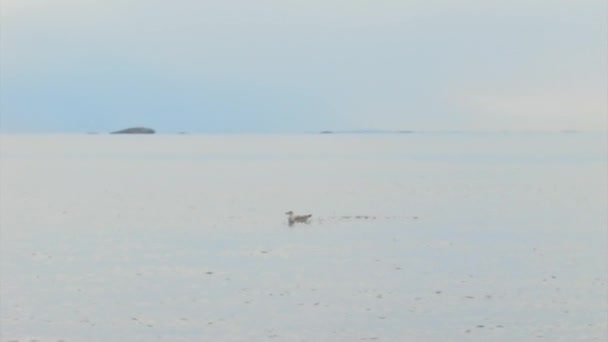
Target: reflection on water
x=183 y=238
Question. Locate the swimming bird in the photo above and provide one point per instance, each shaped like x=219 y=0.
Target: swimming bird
x=297 y=218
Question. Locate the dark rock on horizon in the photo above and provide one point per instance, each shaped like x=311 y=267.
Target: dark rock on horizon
x=135 y=130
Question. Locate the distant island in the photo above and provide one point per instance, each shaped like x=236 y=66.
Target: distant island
x=135 y=130
x=368 y=131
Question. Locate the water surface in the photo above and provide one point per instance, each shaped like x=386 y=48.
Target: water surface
x=427 y=237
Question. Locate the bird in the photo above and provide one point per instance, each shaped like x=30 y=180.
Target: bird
x=297 y=218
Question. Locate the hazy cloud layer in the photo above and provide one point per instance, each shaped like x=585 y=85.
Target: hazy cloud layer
x=269 y=65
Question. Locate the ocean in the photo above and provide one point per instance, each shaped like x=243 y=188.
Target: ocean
x=413 y=237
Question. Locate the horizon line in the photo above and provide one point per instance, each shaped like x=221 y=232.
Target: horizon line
x=321 y=132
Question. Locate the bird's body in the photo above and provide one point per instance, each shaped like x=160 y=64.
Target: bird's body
x=291 y=219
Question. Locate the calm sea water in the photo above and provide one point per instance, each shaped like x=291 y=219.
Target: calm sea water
x=426 y=237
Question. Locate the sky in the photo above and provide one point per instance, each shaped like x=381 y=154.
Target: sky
x=257 y=66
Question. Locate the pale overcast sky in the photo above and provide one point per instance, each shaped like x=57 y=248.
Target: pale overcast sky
x=292 y=65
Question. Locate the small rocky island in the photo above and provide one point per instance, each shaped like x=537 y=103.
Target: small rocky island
x=135 y=130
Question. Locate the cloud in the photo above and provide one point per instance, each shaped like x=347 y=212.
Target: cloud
x=552 y=91
x=534 y=109
x=353 y=64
